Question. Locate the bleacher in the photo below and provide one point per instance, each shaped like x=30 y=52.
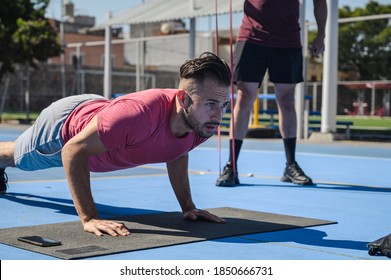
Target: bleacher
x=268 y=118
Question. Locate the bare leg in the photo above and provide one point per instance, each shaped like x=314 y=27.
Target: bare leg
x=285 y=97
x=7 y=154
x=247 y=92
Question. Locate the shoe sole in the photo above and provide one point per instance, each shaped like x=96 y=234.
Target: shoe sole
x=226 y=184
x=287 y=179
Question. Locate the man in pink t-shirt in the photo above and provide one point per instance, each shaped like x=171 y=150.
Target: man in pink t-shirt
x=269 y=40
x=147 y=113
x=86 y=133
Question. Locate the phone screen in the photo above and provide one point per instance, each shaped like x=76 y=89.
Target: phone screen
x=39 y=241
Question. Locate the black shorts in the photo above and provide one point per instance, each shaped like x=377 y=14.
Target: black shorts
x=285 y=65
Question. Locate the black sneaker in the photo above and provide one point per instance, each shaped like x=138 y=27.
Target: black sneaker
x=294 y=174
x=227 y=178
x=3 y=181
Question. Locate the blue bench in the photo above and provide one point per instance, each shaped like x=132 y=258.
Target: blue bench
x=345 y=124
x=116 y=95
x=272 y=112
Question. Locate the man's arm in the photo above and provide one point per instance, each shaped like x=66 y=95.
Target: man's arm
x=320 y=13
x=75 y=155
x=178 y=175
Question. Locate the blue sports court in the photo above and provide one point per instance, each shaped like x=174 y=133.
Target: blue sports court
x=353 y=188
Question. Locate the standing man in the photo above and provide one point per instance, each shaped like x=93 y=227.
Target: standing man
x=87 y=132
x=269 y=39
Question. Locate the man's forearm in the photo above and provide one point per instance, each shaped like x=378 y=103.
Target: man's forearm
x=178 y=175
x=78 y=177
x=320 y=13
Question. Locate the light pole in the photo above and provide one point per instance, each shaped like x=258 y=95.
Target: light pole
x=62 y=55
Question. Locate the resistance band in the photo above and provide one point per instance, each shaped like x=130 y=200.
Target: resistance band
x=231 y=88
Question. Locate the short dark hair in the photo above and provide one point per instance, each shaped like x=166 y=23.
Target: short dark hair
x=207 y=65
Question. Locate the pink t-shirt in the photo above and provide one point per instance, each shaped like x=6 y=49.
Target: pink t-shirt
x=134 y=128
x=271 y=23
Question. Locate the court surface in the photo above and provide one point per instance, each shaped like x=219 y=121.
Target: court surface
x=353 y=188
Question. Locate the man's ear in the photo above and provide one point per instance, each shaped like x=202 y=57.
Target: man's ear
x=181 y=96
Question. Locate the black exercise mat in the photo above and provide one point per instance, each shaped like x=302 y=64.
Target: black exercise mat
x=152 y=231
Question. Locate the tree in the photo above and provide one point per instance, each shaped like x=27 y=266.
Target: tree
x=365 y=46
x=25 y=34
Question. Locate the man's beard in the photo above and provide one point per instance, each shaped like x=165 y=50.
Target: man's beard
x=196 y=126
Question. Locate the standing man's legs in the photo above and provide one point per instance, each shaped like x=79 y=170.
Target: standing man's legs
x=247 y=93
x=285 y=71
x=287 y=121
x=285 y=94
x=250 y=67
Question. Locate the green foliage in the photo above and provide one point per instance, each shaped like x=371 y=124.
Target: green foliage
x=25 y=34
x=365 y=46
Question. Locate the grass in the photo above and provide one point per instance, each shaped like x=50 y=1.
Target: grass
x=370 y=122
x=384 y=122
x=359 y=122
x=7 y=116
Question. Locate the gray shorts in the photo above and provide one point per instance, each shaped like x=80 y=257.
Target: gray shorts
x=39 y=147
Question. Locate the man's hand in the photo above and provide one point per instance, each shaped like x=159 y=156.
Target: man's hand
x=317 y=46
x=196 y=214
x=99 y=227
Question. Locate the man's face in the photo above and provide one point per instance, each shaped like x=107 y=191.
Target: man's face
x=205 y=106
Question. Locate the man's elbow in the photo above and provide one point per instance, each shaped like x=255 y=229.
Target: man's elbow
x=70 y=151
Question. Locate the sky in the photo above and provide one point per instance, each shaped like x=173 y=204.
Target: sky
x=99 y=9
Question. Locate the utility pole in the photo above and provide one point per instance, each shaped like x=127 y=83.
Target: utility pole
x=62 y=55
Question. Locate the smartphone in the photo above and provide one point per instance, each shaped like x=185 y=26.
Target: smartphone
x=39 y=241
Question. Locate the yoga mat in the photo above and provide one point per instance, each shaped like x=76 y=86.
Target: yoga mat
x=152 y=231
